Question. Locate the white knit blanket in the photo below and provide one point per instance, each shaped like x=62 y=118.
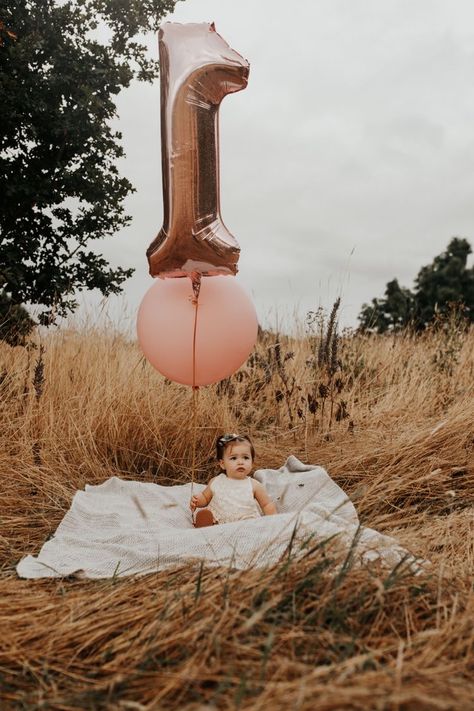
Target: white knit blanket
x=127 y=527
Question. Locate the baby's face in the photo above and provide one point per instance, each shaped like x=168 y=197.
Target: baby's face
x=237 y=460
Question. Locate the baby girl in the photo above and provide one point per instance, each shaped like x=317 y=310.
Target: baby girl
x=232 y=495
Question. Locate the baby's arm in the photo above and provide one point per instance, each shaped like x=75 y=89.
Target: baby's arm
x=202 y=499
x=264 y=501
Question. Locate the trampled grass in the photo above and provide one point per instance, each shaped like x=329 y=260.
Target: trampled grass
x=391 y=419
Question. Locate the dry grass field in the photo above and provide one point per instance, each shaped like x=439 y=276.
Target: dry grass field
x=391 y=419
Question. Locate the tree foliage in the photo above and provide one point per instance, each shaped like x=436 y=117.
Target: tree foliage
x=446 y=281
x=15 y=321
x=61 y=66
x=439 y=286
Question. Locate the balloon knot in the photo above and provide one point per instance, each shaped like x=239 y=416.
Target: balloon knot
x=196 y=283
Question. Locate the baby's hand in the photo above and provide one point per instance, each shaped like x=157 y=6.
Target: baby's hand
x=194 y=503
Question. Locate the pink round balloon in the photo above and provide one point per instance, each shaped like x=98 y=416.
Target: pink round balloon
x=225 y=334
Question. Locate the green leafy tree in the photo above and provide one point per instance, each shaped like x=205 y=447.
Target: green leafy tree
x=61 y=66
x=443 y=284
x=15 y=321
x=392 y=313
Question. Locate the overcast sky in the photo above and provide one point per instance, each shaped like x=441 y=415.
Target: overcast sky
x=347 y=161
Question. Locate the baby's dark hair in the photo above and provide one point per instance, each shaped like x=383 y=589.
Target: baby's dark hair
x=224 y=441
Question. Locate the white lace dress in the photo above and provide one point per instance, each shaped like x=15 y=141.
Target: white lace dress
x=233 y=499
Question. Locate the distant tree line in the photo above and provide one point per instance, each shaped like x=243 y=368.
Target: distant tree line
x=444 y=284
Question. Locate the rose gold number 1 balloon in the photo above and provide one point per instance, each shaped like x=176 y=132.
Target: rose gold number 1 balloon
x=198 y=68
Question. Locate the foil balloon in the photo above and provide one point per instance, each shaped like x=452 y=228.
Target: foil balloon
x=224 y=328
x=198 y=68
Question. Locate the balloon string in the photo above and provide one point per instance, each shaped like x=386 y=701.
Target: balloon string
x=195 y=302
x=194 y=426
x=196 y=284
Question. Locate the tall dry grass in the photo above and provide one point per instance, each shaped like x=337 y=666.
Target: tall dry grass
x=391 y=418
